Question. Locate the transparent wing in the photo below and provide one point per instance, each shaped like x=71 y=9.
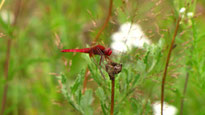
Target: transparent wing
x=99 y=65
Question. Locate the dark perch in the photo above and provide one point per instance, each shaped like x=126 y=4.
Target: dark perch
x=113 y=68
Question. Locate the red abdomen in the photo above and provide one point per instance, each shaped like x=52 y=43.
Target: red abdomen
x=84 y=50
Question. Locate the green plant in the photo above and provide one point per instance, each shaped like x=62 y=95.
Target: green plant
x=34 y=58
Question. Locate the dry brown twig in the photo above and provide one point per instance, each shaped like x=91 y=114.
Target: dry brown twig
x=167 y=64
x=105 y=23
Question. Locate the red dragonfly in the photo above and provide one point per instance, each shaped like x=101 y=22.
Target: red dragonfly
x=96 y=50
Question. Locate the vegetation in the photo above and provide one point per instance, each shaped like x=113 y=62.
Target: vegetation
x=37 y=78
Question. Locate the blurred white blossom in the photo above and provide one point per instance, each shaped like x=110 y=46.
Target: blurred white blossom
x=7 y=16
x=190 y=14
x=119 y=46
x=182 y=10
x=186 y=16
x=129 y=35
x=167 y=109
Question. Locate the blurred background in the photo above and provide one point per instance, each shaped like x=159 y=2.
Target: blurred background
x=36 y=31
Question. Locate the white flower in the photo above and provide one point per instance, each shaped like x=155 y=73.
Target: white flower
x=118 y=36
x=182 y=10
x=167 y=109
x=119 y=46
x=182 y=13
x=190 y=14
x=129 y=36
x=7 y=16
x=140 y=42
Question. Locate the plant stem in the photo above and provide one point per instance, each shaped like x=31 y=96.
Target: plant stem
x=85 y=80
x=2 y=3
x=184 y=92
x=6 y=69
x=112 y=68
x=112 y=96
x=167 y=63
x=106 y=21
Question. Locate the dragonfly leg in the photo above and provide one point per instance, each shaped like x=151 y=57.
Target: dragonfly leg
x=101 y=54
x=99 y=68
x=101 y=60
x=91 y=54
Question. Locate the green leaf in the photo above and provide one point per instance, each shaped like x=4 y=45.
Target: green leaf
x=103 y=106
x=100 y=94
x=79 y=96
x=76 y=84
x=146 y=57
x=64 y=90
x=86 y=102
x=63 y=79
x=87 y=98
x=135 y=80
x=135 y=107
x=95 y=74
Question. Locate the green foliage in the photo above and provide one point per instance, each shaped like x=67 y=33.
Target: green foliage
x=36 y=60
x=80 y=102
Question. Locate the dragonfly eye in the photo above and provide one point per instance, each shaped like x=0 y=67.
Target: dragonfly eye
x=108 y=51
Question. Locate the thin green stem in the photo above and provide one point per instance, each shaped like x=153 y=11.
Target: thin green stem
x=184 y=92
x=6 y=71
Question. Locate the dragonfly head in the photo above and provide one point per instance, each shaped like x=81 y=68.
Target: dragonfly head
x=108 y=51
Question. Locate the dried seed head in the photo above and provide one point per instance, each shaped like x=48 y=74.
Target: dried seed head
x=113 y=68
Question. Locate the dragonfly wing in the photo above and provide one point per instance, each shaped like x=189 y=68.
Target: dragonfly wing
x=100 y=53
